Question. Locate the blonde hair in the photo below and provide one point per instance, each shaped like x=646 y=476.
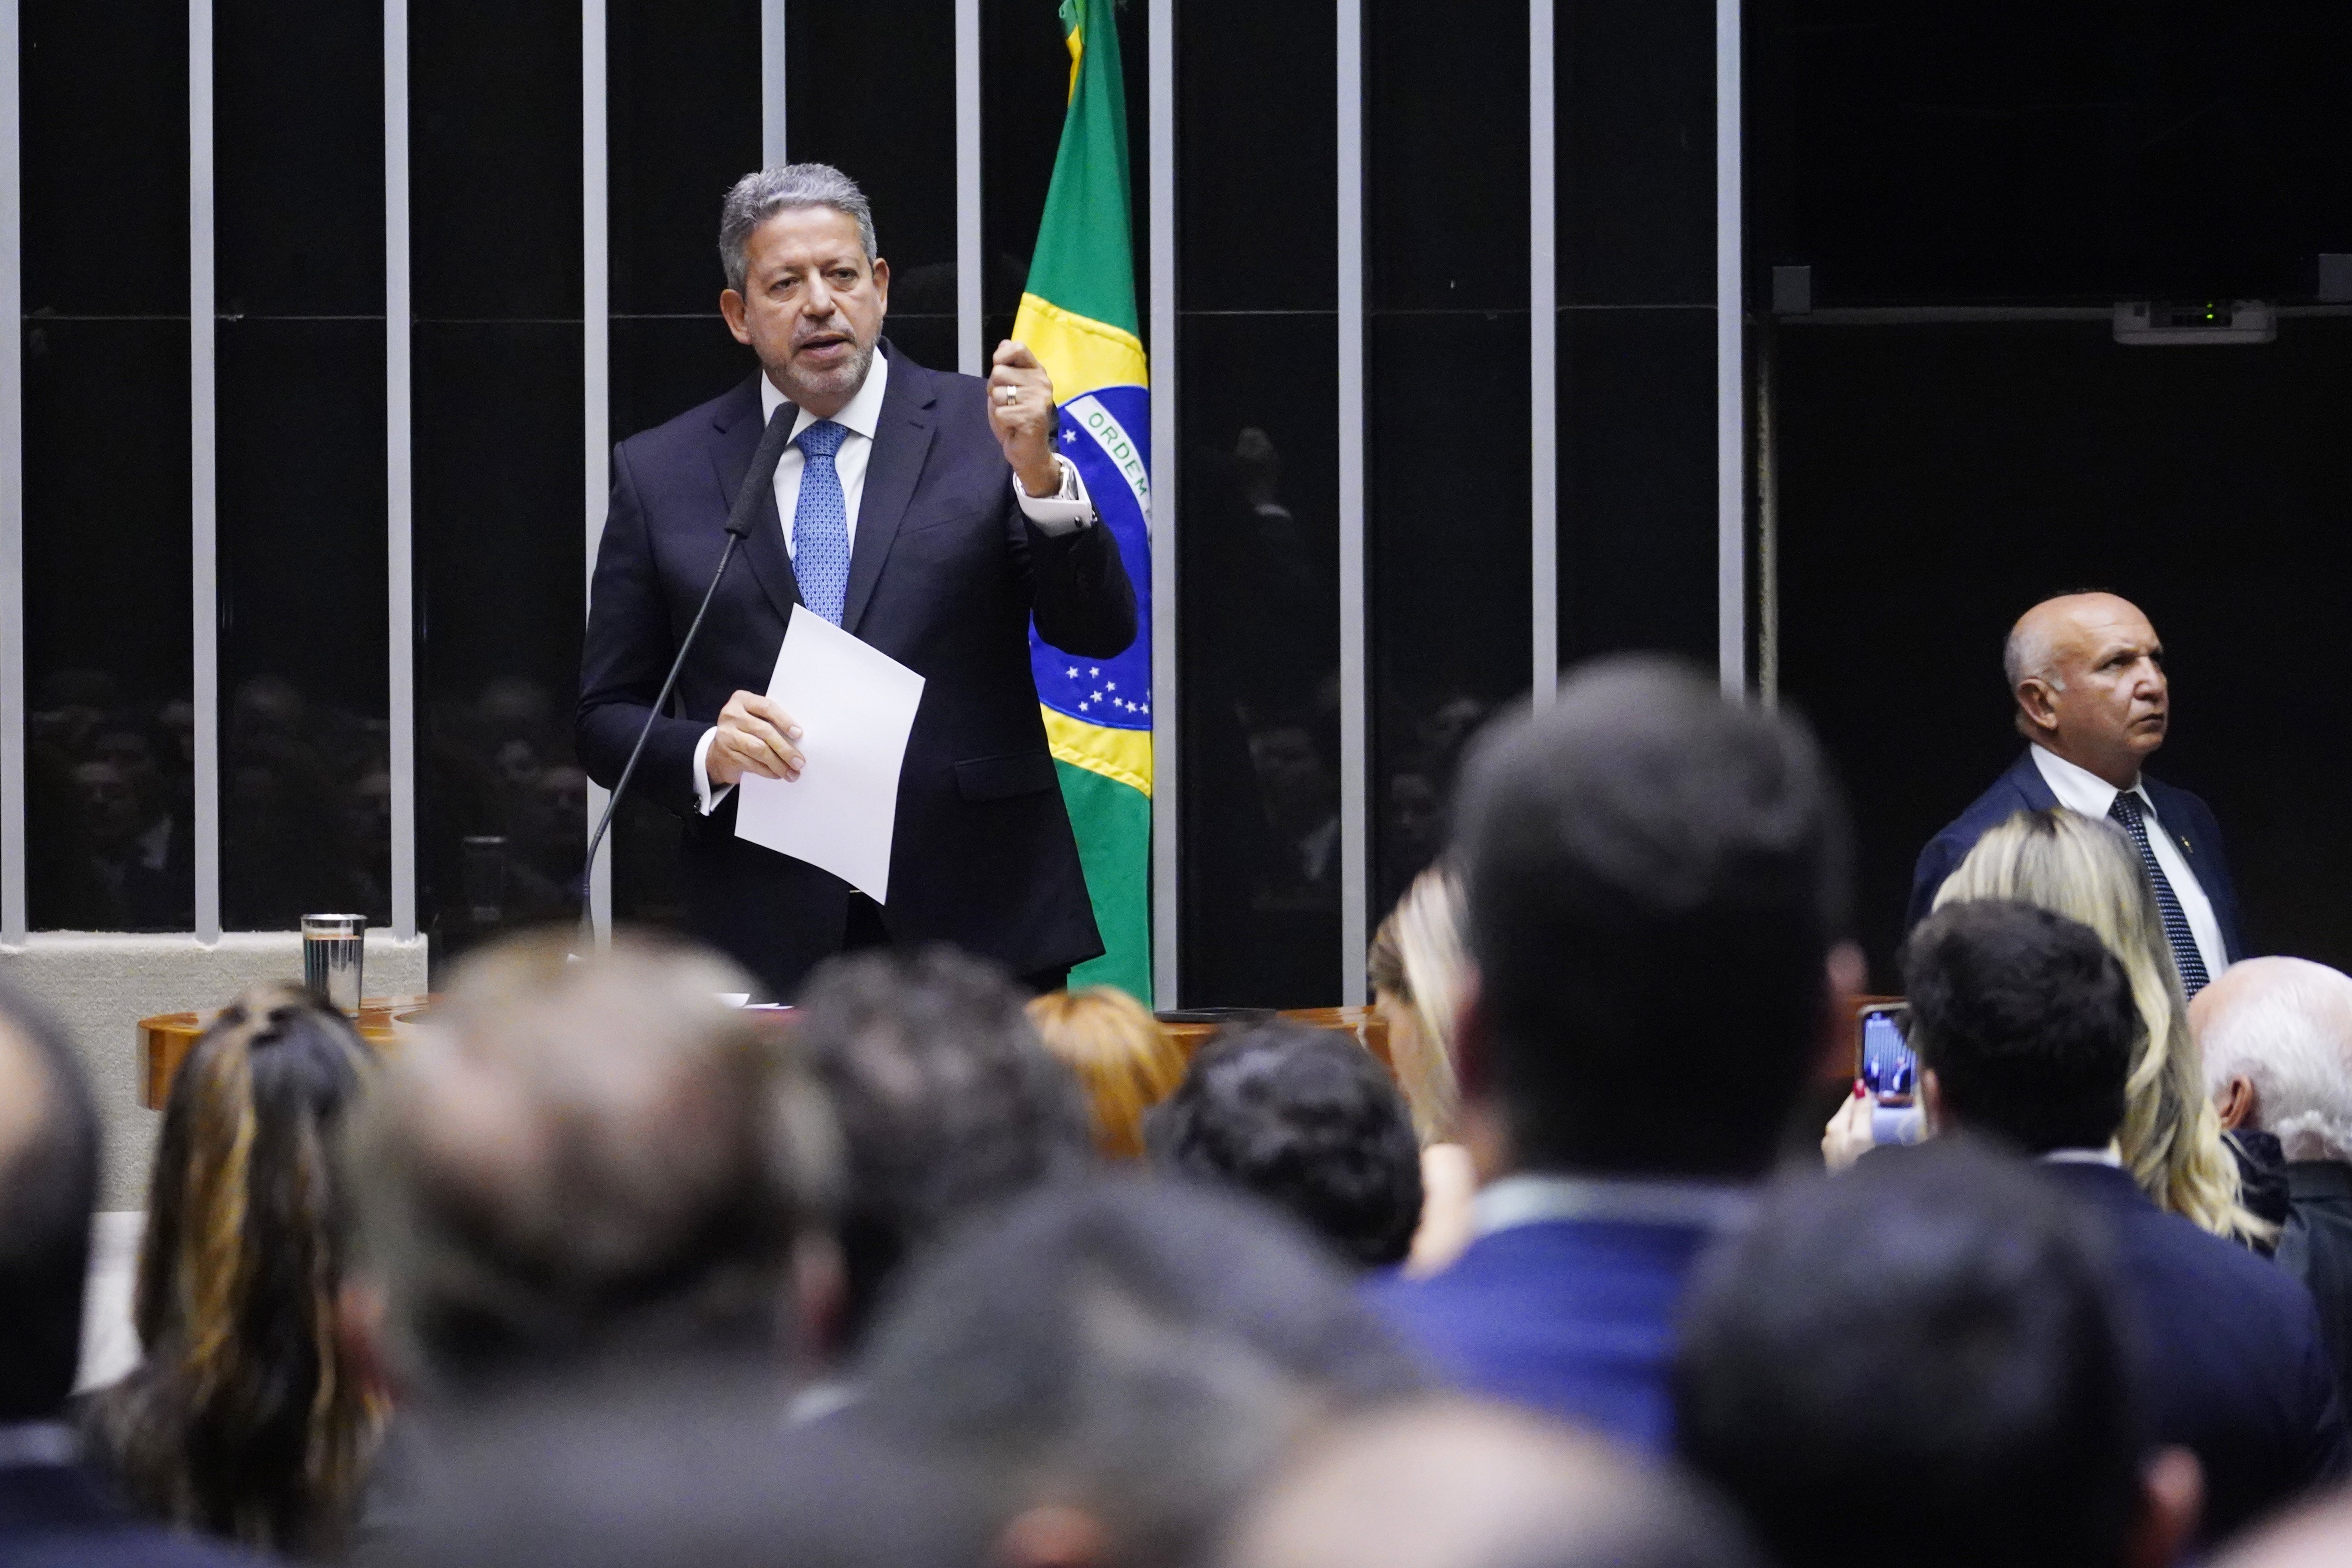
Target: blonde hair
x=2087 y=871
x=1126 y=1061
x=1417 y=956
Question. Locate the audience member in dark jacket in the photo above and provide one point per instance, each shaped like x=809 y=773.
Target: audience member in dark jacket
x=54 y=1513
x=1655 y=881
x=1948 y=1317
x=2261 y=1181
x=2276 y=1035
x=2024 y=1025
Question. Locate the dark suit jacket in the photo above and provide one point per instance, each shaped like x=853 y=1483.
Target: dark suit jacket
x=59 y=1516
x=944 y=573
x=1571 y=1316
x=2021 y=788
x=2231 y=1362
x=2317 y=1248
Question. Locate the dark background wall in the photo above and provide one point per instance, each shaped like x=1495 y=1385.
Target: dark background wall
x=1257 y=421
x=105 y=224
x=1938 y=478
x=1935 y=478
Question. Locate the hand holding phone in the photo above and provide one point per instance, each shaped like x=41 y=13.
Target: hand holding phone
x=1889 y=1072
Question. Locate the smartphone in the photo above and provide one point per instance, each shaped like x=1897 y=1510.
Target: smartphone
x=1888 y=1069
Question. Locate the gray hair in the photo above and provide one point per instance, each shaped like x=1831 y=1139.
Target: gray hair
x=2286 y=1024
x=1144 y=1351
x=763 y=192
x=2028 y=653
x=580 y=1159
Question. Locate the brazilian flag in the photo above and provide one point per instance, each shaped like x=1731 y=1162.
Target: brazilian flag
x=1078 y=316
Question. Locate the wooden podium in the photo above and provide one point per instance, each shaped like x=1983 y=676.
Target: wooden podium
x=166 y=1040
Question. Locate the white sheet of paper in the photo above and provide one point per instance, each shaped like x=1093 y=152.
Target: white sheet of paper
x=855 y=707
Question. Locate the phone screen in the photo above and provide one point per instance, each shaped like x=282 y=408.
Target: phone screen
x=1889 y=1070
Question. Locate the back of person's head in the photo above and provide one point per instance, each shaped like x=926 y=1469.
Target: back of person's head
x=2284 y=1025
x=249 y=1417
x=2026 y=1021
x=947 y=1103
x=581 y=1163
x=1451 y=1484
x=1307 y=1120
x=49 y=1187
x=1921 y=1360
x=1655 y=875
x=1124 y=1060
x=1419 y=970
x=1116 y=1364
x=2088 y=871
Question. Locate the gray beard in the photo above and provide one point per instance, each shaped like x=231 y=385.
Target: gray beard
x=844 y=382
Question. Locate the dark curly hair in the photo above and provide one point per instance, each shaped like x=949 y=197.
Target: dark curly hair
x=1307 y=1120
x=2027 y=1021
x=948 y=1103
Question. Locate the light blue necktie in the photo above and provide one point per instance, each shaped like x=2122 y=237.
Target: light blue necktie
x=821 y=521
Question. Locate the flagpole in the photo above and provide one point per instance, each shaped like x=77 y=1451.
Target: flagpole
x=1160 y=121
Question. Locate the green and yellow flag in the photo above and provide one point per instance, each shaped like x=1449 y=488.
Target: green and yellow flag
x=1079 y=316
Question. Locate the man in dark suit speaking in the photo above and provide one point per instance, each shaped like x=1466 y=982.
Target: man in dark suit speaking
x=2087 y=672
x=927 y=514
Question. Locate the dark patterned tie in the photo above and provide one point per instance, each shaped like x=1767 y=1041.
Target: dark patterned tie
x=2192 y=963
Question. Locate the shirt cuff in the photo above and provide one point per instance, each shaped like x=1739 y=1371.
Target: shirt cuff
x=706 y=795
x=1067 y=511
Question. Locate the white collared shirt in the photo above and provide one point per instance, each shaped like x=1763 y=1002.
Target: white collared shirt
x=2081 y=791
x=38 y=1443
x=1065 y=511
x=2112 y=1155
x=861 y=419
x=1534 y=1198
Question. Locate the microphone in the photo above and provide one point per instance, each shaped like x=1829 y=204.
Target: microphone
x=758 y=477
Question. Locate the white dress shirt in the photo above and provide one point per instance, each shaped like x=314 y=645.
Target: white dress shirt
x=2080 y=790
x=1535 y=1198
x=2112 y=1155
x=861 y=419
x=1065 y=511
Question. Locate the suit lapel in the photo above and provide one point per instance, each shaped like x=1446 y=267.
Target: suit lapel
x=738 y=431
x=902 y=439
x=2031 y=783
x=2173 y=818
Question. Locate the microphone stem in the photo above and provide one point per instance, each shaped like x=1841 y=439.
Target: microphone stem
x=613 y=801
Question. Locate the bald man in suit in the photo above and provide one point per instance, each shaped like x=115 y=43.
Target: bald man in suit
x=2088 y=673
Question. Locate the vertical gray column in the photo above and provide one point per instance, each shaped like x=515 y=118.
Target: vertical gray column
x=1730 y=390
x=204 y=598
x=1354 y=838
x=1768 y=525
x=399 y=478
x=595 y=390
x=772 y=83
x=1543 y=355
x=971 y=357
x=11 y=496
x=1160 y=115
